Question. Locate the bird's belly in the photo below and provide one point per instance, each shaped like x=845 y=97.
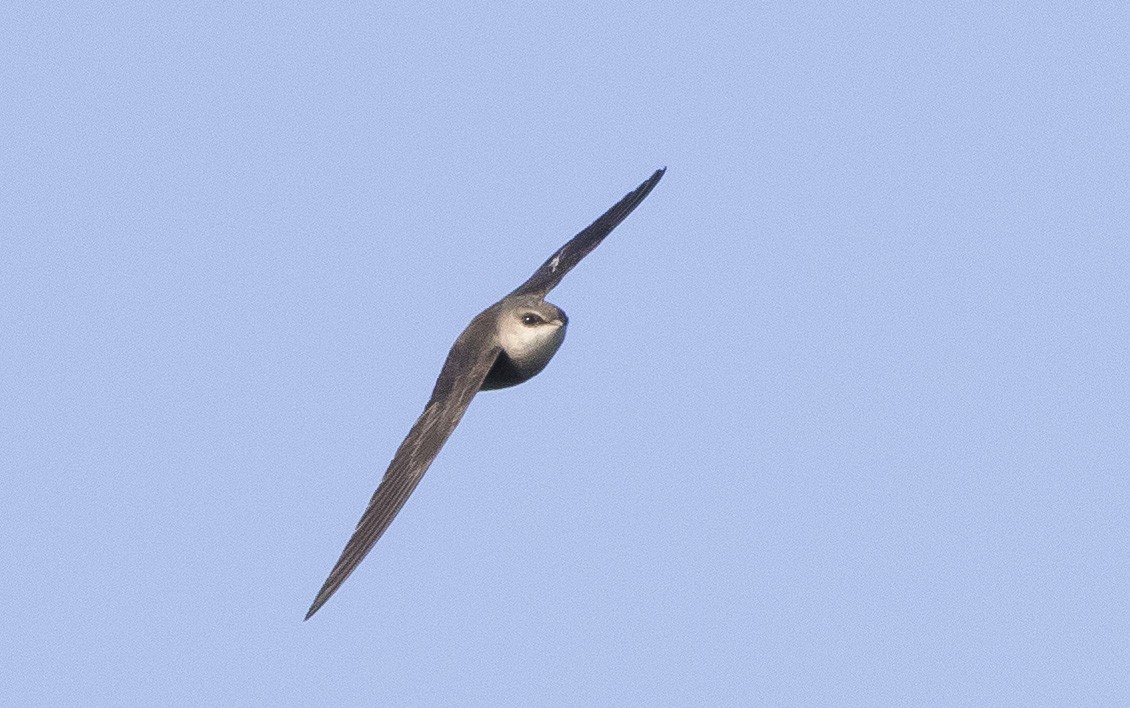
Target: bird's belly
x=504 y=374
x=511 y=369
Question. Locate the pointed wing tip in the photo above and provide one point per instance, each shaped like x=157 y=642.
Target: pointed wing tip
x=648 y=184
x=315 y=606
x=323 y=596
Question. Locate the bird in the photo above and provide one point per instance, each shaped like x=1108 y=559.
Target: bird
x=504 y=345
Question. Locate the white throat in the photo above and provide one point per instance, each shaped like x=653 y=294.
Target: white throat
x=530 y=348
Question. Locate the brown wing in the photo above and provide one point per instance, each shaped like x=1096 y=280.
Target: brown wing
x=467 y=365
x=554 y=269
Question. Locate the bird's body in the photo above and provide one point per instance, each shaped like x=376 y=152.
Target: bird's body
x=529 y=332
x=508 y=343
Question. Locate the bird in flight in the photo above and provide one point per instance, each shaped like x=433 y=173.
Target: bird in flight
x=507 y=343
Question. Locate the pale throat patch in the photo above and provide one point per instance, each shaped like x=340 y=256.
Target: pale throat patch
x=530 y=345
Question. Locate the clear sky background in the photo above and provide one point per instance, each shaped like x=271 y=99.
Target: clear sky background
x=842 y=417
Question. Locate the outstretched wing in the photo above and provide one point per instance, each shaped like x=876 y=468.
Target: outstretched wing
x=467 y=365
x=553 y=270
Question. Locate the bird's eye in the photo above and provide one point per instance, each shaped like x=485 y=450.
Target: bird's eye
x=531 y=319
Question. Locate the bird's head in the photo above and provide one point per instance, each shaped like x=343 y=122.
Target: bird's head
x=530 y=331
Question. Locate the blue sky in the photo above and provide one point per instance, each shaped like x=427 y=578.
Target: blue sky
x=842 y=417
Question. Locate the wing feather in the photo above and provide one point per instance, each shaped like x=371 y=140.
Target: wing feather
x=459 y=381
x=562 y=261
